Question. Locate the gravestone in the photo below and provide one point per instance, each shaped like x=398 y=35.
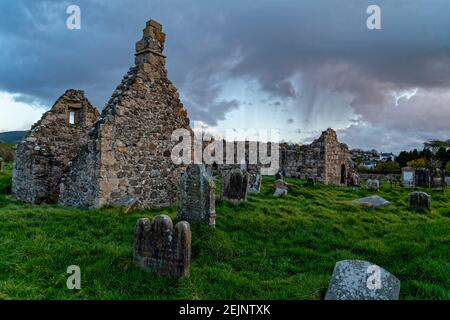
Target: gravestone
x=362 y=280
x=419 y=201
x=311 y=182
x=281 y=188
x=408 y=177
x=422 y=178
x=160 y=247
x=196 y=196
x=254 y=183
x=372 y=201
x=234 y=186
x=2 y=164
x=373 y=185
x=129 y=204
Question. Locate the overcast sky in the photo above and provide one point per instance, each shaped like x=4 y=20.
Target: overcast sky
x=299 y=66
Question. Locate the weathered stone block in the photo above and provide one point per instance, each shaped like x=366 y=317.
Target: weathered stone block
x=281 y=188
x=254 y=184
x=129 y=204
x=362 y=280
x=372 y=201
x=160 y=247
x=196 y=196
x=373 y=185
x=2 y=165
x=234 y=186
x=419 y=201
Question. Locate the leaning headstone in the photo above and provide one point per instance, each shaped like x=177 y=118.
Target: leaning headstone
x=419 y=201
x=196 y=196
x=372 y=201
x=2 y=164
x=160 y=247
x=234 y=186
x=129 y=204
x=311 y=182
x=373 y=185
x=254 y=182
x=362 y=280
x=281 y=188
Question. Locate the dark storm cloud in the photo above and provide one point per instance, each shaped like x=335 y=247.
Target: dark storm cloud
x=301 y=51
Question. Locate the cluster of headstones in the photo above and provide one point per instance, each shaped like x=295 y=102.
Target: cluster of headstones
x=159 y=246
x=418 y=201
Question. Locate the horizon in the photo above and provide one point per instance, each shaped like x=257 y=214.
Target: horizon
x=331 y=71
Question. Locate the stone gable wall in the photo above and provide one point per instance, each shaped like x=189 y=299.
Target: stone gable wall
x=129 y=149
x=322 y=159
x=49 y=146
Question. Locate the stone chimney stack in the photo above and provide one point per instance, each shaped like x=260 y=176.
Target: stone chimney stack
x=150 y=48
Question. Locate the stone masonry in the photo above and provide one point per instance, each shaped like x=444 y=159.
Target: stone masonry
x=52 y=142
x=160 y=247
x=326 y=159
x=129 y=149
x=196 y=196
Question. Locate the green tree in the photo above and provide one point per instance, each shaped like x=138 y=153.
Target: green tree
x=447 y=168
x=386 y=167
x=418 y=163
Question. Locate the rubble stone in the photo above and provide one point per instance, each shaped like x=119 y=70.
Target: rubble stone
x=50 y=145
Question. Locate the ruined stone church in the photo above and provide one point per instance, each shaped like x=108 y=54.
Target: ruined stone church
x=325 y=159
x=52 y=142
x=75 y=158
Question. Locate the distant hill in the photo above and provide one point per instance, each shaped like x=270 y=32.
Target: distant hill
x=12 y=137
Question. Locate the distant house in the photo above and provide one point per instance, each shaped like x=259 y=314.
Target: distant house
x=370 y=164
x=386 y=157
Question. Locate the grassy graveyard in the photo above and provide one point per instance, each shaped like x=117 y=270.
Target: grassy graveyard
x=269 y=248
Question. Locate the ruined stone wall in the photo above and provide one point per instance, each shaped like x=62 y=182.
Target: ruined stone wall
x=251 y=163
x=325 y=159
x=338 y=161
x=129 y=149
x=52 y=142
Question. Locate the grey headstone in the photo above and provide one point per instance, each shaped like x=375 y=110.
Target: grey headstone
x=196 y=196
x=281 y=187
x=419 y=201
x=373 y=185
x=372 y=201
x=362 y=280
x=234 y=186
x=129 y=203
x=161 y=247
x=254 y=183
x=280 y=192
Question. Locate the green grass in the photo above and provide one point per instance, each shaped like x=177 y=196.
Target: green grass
x=269 y=248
